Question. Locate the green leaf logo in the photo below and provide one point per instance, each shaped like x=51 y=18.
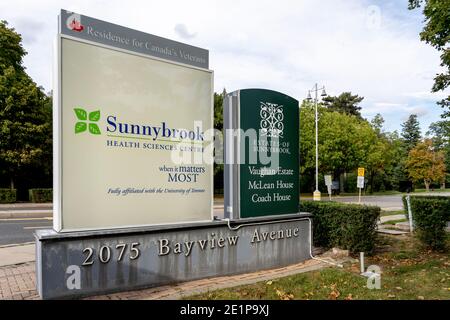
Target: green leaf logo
x=82 y=124
x=80 y=127
x=80 y=113
x=93 y=128
x=94 y=115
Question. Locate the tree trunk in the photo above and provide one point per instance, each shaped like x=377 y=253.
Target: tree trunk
x=372 y=174
x=11 y=183
x=427 y=185
x=443 y=185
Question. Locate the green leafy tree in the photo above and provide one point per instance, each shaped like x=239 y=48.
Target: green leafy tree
x=440 y=136
x=436 y=32
x=377 y=123
x=440 y=133
x=410 y=132
x=25 y=112
x=344 y=103
x=394 y=169
x=344 y=141
x=218 y=125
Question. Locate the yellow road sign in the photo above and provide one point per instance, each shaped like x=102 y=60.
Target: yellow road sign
x=360 y=172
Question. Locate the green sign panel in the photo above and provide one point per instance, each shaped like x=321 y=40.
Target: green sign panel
x=263 y=179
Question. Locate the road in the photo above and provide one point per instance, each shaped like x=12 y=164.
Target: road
x=387 y=203
x=15 y=231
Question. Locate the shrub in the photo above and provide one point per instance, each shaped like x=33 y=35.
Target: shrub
x=41 y=195
x=347 y=226
x=8 y=195
x=430 y=215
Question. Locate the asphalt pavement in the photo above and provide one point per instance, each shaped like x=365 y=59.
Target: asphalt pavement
x=19 y=221
x=17 y=231
x=386 y=203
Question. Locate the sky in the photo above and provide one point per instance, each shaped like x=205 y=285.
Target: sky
x=370 y=48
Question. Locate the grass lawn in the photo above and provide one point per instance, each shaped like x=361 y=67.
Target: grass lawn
x=431 y=191
x=407 y=273
x=392 y=213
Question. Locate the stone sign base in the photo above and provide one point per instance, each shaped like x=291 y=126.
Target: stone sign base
x=71 y=265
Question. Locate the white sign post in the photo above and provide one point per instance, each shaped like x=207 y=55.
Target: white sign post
x=328 y=183
x=360 y=182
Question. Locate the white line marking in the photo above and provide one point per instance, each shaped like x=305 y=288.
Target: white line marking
x=25 y=219
x=40 y=227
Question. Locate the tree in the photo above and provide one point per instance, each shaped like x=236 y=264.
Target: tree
x=25 y=111
x=440 y=136
x=218 y=125
x=426 y=164
x=440 y=133
x=394 y=169
x=436 y=32
x=344 y=141
x=344 y=103
x=410 y=132
x=218 y=109
x=377 y=124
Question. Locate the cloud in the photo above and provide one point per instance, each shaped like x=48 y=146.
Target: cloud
x=368 y=47
x=183 y=32
x=29 y=29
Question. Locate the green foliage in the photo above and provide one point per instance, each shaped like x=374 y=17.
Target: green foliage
x=430 y=216
x=344 y=103
x=344 y=140
x=11 y=50
x=410 y=132
x=347 y=142
x=25 y=113
x=347 y=226
x=218 y=125
x=440 y=135
x=41 y=195
x=8 y=195
x=436 y=32
x=377 y=123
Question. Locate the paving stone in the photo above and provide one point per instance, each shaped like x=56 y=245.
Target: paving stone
x=18 y=282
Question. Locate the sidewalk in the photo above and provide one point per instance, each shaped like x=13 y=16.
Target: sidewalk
x=16 y=254
x=25 y=210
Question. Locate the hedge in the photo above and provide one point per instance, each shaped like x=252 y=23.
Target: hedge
x=8 y=195
x=430 y=215
x=41 y=195
x=346 y=226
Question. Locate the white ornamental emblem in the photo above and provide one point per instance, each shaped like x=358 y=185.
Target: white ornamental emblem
x=271 y=120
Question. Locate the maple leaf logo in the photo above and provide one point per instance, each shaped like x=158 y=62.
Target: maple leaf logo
x=74 y=23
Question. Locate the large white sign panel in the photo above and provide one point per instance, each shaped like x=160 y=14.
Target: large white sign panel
x=124 y=124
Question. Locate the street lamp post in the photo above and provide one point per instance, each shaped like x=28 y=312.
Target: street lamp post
x=315 y=89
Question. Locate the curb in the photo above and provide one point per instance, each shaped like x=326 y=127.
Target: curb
x=16 y=214
x=15 y=245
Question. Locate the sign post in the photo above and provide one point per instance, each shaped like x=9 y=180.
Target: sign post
x=328 y=183
x=360 y=182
